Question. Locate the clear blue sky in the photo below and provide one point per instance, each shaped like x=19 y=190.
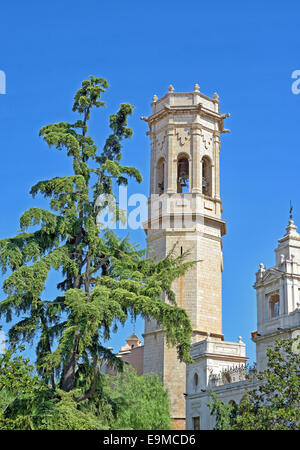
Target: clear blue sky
x=245 y=52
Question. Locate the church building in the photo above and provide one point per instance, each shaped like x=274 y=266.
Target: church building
x=216 y=365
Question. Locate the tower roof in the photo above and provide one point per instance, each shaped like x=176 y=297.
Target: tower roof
x=289 y=245
x=133 y=337
x=291 y=232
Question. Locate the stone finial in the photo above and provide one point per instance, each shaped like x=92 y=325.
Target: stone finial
x=216 y=97
x=171 y=88
x=196 y=88
x=154 y=98
x=240 y=340
x=292 y=229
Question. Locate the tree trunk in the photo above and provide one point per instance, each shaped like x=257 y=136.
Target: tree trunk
x=68 y=379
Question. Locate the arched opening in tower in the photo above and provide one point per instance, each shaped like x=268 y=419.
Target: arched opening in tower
x=182 y=175
x=160 y=170
x=206 y=176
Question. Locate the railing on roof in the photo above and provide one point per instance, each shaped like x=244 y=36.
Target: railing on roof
x=232 y=375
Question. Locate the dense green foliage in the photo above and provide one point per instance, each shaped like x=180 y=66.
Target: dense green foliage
x=104 y=279
x=138 y=402
x=125 y=401
x=27 y=403
x=273 y=402
x=16 y=380
x=225 y=414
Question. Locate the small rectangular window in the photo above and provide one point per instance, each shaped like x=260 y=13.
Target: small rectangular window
x=196 y=423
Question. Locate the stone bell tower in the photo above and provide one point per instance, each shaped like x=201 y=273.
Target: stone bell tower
x=185 y=211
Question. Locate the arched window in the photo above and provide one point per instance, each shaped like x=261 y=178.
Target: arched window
x=196 y=380
x=182 y=175
x=274 y=305
x=160 y=171
x=206 y=176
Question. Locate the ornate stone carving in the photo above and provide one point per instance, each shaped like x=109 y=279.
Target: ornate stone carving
x=183 y=135
x=160 y=143
x=207 y=140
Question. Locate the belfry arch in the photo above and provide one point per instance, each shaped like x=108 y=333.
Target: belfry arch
x=206 y=176
x=160 y=176
x=183 y=173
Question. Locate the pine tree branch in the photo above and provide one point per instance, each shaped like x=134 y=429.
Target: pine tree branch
x=94 y=383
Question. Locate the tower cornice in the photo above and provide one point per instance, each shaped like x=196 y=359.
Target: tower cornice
x=187 y=109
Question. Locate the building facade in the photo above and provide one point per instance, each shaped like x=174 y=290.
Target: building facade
x=131 y=353
x=185 y=215
x=217 y=367
x=278 y=295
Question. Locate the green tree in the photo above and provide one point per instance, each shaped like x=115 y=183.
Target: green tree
x=272 y=402
x=137 y=402
x=125 y=401
x=225 y=414
x=105 y=279
x=16 y=380
x=275 y=404
x=26 y=403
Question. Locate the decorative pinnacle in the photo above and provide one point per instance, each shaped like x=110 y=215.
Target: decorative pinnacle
x=196 y=88
x=216 y=97
x=171 y=88
x=155 y=98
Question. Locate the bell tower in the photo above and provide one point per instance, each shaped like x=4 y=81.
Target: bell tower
x=185 y=211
